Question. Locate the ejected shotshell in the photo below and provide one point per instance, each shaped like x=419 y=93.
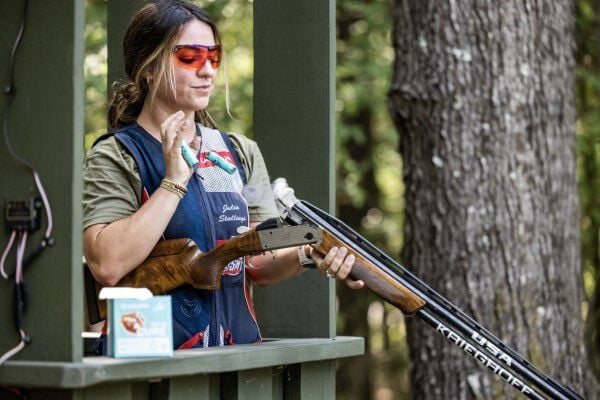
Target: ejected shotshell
x=189 y=155
x=221 y=162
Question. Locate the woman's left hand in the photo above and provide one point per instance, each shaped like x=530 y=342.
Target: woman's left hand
x=337 y=264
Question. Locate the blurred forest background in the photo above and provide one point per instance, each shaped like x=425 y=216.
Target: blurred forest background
x=369 y=165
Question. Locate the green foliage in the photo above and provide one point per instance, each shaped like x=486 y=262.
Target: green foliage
x=234 y=19
x=370 y=186
x=364 y=69
x=95 y=69
x=588 y=166
x=588 y=137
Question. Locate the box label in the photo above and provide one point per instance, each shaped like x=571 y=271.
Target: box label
x=140 y=328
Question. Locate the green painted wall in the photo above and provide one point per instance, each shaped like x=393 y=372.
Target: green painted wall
x=46 y=127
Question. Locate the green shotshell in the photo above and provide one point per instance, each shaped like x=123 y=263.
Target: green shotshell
x=221 y=162
x=188 y=155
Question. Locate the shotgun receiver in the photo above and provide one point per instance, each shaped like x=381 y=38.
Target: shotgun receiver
x=398 y=286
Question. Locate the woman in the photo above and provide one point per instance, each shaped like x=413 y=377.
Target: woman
x=139 y=189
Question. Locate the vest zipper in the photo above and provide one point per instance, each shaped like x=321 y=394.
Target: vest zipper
x=213 y=323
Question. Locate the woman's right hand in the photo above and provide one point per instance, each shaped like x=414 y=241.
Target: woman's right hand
x=171 y=132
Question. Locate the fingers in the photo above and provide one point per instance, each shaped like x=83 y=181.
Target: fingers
x=168 y=128
x=354 y=284
x=172 y=132
x=345 y=267
x=326 y=261
x=337 y=262
x=340 y=265
x=318 y=260
x=179 y=135
x=195 y=145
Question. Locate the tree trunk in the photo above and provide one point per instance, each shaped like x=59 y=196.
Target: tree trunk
x=483 y=97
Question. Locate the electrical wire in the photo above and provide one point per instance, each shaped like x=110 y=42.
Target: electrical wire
x=10 y=89
x=19 y=290
x=20 y=298
x=20 y=253
x=40 y=187
x=15 y=349
x=5 y=253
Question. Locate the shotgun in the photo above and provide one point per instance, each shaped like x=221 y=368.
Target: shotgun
x=177 y=262
x=381 y=274
x=398 y=286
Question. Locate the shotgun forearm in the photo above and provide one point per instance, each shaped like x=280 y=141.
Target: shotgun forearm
x=376 y=280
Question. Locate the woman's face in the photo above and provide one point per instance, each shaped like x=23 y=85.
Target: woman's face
x=193 y=87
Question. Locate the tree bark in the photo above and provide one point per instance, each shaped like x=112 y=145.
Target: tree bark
x=483 y=97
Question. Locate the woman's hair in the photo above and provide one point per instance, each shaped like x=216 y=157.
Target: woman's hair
x=147 y=46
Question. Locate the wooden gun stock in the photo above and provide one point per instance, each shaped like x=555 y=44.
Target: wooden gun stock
x=375 y=279
x=177 y=262
x=166 y=268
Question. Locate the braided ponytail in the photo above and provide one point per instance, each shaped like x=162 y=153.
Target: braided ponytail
x=126 y=103
x=204 y=118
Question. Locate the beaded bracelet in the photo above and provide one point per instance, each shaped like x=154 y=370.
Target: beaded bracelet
x=173 y=187
x=174 y=184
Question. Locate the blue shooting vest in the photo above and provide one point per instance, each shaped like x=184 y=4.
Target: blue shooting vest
x=211 y=212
